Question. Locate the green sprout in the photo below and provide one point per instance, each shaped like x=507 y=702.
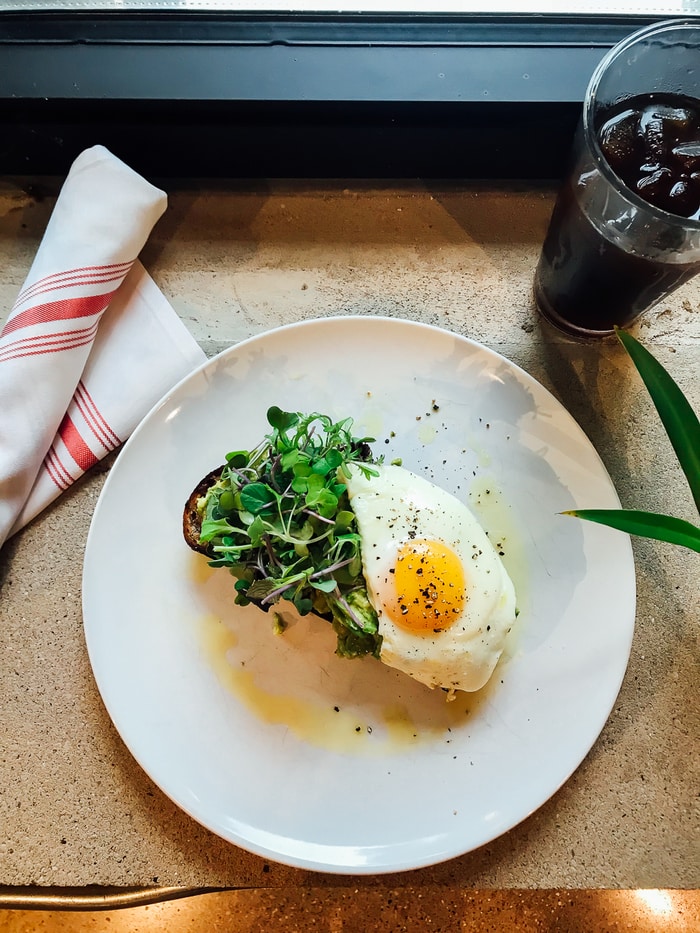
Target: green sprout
x=683 y=429
x=279 y=519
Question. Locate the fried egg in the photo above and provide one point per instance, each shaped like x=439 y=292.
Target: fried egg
x=444 y=600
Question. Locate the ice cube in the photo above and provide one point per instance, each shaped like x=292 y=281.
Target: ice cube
x=662 y=127
x=683 y=198
x=676 y=119
x=688 y=155
x=619 y=138
x=655 y=188
x=652 y=128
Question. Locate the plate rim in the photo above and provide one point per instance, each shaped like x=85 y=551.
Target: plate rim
x=300 y=862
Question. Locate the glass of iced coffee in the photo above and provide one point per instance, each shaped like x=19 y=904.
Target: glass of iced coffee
x=625 y=230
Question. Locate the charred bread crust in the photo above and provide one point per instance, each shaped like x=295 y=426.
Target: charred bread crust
x=191 y=521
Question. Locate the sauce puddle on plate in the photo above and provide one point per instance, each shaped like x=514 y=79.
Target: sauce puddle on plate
x=496 y=517
x=358 y=707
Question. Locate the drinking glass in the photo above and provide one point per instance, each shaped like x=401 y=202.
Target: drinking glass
x=610 y=254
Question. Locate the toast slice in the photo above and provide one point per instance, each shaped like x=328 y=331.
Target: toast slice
x=191 y=518
x=294 y=556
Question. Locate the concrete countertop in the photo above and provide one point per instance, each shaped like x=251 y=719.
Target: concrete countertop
x=235 y=260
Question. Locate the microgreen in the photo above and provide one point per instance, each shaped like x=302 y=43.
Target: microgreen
x=683 y=429
x=279 y=519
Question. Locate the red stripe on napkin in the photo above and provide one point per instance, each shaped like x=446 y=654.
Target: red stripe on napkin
x=27 y=343
x=75 y=444
x=68 y=283
x=58 y=473
x=65 y=310
x=83 y=275
x=93 y=418
x=34 y=346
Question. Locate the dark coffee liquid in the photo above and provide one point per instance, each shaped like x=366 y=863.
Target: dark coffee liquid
x=653 y=144
x=585 y=282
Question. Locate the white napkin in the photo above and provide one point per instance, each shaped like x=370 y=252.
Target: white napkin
x=72 y=388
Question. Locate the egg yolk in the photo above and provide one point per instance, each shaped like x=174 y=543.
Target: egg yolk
x=429 y=587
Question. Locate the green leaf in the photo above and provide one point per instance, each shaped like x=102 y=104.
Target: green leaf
x=257 y=497
x=237 y=458
x=303 y=605
x=678 y=418
x=645 y=524
x=314 y=487
x=344 y=519
x=331 y=461
x=355 y=566
x=315 y=482
x=326 y=586
x=350 y=536
x=289 y=458
x=241 y=572
x=300 y=484
x=261 y=588
x=305 y=532
x=281 y=420
x=213 y=528
x=326 y=503
x=256 y=530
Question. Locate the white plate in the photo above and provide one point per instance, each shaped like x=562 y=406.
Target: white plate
x=238 y=725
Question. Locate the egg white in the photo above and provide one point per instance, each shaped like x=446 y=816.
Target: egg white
x=396 y=507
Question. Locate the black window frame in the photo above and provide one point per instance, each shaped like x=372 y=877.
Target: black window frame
x=299 y=95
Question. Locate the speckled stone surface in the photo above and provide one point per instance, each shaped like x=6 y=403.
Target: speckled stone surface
x=405 y=909
x=234 y=261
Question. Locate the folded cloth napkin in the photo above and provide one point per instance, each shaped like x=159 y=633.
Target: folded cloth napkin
x=73 y=388
x=141 y=350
